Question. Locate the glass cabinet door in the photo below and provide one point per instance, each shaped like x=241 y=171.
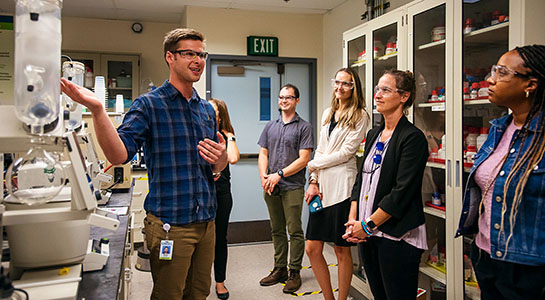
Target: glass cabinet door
x=384 y=53
x=485 y=37
x=357 y=58
x=427 y=62
x=121 y=79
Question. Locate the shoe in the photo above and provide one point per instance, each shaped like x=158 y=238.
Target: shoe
x=277 y=275
x=293 y=283
x=222 y=296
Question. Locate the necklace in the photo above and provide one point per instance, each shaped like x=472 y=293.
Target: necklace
x=375 y=166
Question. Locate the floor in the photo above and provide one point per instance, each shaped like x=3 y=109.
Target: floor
x=246 y=265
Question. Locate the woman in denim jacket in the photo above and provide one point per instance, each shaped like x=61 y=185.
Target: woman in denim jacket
x=504 y=200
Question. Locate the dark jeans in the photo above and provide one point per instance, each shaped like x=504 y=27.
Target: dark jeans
x=225 y=204
x=505 y=280
x=391 y=268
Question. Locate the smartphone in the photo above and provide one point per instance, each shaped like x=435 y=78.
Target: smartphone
x=315 y=204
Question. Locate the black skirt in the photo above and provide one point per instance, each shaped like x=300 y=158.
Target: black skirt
x=327 y=225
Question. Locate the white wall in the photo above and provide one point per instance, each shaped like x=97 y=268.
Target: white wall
x=100 y=35
x=299 y=35
x=337 y=21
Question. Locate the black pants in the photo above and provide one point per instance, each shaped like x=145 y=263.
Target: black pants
x=505 y=280
x=225 y=204
x=391 y=268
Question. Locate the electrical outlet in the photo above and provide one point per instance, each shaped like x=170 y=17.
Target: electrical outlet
x=118 y=174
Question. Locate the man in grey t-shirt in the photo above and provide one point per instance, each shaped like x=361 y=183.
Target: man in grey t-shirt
x=286 y=144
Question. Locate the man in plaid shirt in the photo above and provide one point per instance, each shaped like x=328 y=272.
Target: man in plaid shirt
x=183 y=152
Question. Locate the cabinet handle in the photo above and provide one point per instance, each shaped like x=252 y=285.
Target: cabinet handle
x=457 y=173
x=449 y=175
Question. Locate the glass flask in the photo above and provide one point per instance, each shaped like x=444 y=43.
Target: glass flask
x=73 y=71
x=36 y=178
x=37 y=62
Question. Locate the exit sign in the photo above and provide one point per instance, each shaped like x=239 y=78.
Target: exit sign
x=262 y=45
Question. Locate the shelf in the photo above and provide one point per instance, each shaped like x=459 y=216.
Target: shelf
x=432 y=104
x=432 y=45
x=491 y=34
x=120 y=89
x=435 y=165
x=476 y=102
x=358 y=63
x=434 y=274
x=435 y=212
x=387 y=56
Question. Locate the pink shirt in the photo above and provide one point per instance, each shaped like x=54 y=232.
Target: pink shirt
x=485 y=177
x=369 y=182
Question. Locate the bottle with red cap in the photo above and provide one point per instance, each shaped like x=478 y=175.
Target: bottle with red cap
x=482 y=137
x=471 y=139
x=469 y=27
x=483 y=91
x=466 y=94
x=434 y=97
x=474 y=94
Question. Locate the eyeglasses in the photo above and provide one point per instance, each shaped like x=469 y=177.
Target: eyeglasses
x=345 y=85
x=280 y=98
x=190 y=54
x=501 y=73
x=377 y=157
x=386 y=90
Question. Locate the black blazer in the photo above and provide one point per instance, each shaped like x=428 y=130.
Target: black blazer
x=399 y=189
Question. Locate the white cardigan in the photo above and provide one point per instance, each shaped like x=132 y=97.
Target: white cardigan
x=334 y=162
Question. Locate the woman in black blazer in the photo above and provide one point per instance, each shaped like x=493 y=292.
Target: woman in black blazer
x=387 y=212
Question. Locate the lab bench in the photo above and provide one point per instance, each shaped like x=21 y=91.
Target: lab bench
x=113 y=281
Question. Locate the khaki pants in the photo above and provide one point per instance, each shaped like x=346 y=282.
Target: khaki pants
x=187 y=275
x=285 y=210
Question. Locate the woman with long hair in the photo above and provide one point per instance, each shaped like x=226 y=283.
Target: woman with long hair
x=504 y=200
x=387 y=198
x=224 y=197
x=332 y=175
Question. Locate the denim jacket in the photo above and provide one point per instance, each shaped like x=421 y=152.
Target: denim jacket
x=527 y=245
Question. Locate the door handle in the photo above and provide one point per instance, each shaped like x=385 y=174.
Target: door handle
x=457 y=173
x=449 y=175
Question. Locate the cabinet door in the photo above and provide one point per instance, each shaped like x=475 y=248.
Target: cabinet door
x=355 y=55
x=485 y=37
x=386 y=50
x=427 y=60
x=122 y=77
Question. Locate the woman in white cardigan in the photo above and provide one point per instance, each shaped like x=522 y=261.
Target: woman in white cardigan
x=332 y=176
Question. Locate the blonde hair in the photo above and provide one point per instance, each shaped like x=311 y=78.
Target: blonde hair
x=353 y=114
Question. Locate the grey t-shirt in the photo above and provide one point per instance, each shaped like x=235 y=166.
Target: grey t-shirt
x=283 y=142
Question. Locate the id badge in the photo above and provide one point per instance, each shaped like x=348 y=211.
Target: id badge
x=165 y=252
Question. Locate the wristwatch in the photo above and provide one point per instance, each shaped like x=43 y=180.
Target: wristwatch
x=370 y=224
x=231 y=138
x=281 y=173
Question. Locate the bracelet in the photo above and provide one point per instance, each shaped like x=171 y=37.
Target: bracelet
x=365 y=228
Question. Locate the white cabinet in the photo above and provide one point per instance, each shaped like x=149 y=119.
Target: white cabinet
x=121 y=74
x=449 y=45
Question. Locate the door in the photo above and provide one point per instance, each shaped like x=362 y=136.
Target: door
x=427 y=59
x=252 y=101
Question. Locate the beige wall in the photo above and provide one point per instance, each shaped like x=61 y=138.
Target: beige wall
x=116 y=36
x=226 y=30
x=337 y=21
